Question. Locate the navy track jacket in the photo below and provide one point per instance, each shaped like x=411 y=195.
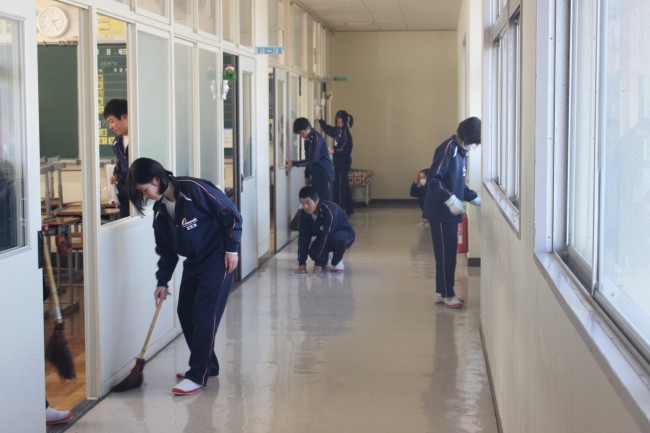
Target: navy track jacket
x=317 y=157
x=342 y=142
x=206 y=225
x=446 y=178
x=330 y=218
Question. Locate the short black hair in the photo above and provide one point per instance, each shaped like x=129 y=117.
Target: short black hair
x=469 y=130
x=142 y=171
x=116 y=108
x=308 y=192
x=300 y=124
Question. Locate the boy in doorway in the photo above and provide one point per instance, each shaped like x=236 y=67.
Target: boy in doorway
x=326 y=222
x=317 y=162
x=117 y=117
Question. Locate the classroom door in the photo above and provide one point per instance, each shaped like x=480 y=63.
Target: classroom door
x=21 y=309
x=245 y=161
x=281 y=127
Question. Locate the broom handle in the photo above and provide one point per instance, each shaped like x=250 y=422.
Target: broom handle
x=153 y=323
x=53 y=289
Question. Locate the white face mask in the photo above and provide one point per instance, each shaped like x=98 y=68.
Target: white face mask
x=423 y=182
x=469 y=147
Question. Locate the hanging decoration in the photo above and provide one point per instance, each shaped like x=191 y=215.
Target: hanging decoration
x=229 y=74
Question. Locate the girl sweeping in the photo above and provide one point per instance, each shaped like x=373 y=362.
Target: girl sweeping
x=194 y=219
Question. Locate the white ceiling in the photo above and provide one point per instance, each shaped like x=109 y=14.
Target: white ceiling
x=386 y=15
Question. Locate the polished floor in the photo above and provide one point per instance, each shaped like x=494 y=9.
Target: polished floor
x=366 y=351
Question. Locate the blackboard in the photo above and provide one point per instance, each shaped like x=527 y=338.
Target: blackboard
x=57 y=97
x=112 y=84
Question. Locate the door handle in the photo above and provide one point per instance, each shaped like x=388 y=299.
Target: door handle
x=241 y=182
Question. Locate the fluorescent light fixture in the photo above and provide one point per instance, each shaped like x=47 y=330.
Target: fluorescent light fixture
x=359 y=23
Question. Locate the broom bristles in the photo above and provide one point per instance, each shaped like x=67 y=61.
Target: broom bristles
x=59 y=354
x=134 y=379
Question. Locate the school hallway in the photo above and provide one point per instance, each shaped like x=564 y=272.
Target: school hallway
x=365 y=351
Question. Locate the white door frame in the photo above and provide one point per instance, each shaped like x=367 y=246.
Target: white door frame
x=246 y=164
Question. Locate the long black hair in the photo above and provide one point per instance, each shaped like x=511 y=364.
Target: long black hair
x=346 y=117
x=143 y=170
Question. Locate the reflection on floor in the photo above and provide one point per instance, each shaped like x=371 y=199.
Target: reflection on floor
x=366 y=351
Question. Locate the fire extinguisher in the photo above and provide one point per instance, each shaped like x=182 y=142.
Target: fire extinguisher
x=463 y=241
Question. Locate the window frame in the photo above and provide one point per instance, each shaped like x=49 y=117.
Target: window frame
x=502 y=177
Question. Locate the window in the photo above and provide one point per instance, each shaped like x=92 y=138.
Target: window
x=297 y=42
x=153 y=98
x=12 y=137
x=184 y=105
x=606 y=239
x=208 y=16
x=504 y=127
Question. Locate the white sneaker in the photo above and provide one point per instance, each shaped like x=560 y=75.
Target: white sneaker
x=339 y=267
x=453 y=302
x=439 y=299
x=53 y=416
x=186 y=387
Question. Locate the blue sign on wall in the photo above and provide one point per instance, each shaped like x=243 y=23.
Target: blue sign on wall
x=269 y=50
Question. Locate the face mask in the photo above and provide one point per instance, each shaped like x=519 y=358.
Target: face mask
x=469 y=147
x=423 y=182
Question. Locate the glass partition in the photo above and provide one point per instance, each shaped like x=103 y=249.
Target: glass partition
x=209 y=80
x=12 y=137
x=184 y=105
x=208 y=16
x=114 y=136
x=153 y=98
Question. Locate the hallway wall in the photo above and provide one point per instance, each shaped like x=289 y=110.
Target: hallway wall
x=402 y=90
x=547 y=374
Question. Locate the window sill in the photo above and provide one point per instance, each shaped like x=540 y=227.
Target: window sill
x=508 y=210
x=627 y=375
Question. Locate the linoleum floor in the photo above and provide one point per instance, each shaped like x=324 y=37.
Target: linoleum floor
x=366 y=351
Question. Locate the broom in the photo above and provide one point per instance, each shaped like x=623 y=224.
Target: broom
x=134 y=379
x=57 y=350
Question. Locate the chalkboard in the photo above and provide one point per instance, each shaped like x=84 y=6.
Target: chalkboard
x=57 y=98
x=112 y=84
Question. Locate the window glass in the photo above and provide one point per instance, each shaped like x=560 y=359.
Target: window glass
x=297 y=45
x=281 y=98
x=208 y=16
x=624 y=141
x=505 y=159
x=209 y=81
x=112 y=80
x=12 y=137
x=245 y=23
x=153 y=98
x=294 y=107
x=228 y=21
x=158 y=7
x=183 y=12
x=247 y=125
x=184 y=105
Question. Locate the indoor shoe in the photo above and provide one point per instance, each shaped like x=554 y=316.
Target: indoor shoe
x=453 y=302
x=181 y=376
x=186 y=387
x=53 y=416
x=339 y=267
x=439 y=299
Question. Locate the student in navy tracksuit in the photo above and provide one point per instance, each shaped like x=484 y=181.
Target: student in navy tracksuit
x=443 y=207
x=333 y=233
x=117 y=117
x=194 y=219
x=317 y=158
x=419 y=190
x=342 y=157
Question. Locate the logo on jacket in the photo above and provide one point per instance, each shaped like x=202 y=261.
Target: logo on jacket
x=191 y=224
